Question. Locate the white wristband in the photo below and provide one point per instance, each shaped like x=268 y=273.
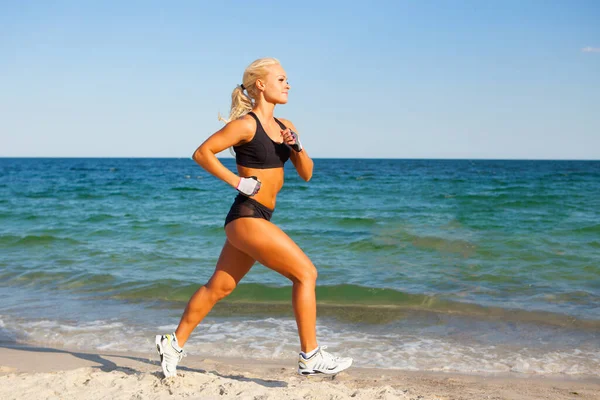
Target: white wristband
x=249 y=186
x=296 y=146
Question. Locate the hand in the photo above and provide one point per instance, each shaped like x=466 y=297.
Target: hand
x=248 y=186
x=291 y=139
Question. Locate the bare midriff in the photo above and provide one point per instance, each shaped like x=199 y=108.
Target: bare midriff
x=271 y=182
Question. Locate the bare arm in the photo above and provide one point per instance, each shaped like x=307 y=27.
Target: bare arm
x=303 y=163
x=235 y=132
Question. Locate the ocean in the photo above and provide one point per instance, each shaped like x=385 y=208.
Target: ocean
x=473 y=266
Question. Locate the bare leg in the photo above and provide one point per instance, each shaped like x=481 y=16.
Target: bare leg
x=231 y=268
x=269 y=245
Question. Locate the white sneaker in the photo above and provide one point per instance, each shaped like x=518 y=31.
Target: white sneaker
x=170 y=353
x=322 y=362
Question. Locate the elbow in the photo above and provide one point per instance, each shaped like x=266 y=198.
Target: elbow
x=196 y=154
x=307 y=173
x=199 y=155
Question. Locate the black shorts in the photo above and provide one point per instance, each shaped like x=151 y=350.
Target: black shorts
x=245 y=207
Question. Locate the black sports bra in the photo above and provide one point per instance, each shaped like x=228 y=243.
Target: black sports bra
x=262 y=152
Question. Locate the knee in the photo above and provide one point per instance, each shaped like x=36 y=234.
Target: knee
x=219 y=291
x=307 y=275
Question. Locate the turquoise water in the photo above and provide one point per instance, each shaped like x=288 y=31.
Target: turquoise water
x=458 y=265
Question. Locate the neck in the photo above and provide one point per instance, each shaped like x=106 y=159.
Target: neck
x=264 y=110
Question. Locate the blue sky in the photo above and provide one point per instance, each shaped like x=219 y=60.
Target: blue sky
x=402 y=79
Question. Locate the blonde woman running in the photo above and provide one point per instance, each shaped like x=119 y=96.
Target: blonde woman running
x=262 y=145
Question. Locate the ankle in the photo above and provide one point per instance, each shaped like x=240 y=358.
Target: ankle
x=176 y=343
x=309 y=354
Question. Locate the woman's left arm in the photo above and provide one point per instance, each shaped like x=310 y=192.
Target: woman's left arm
x=299 y=156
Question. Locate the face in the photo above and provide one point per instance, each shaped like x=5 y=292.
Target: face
x=275 y=86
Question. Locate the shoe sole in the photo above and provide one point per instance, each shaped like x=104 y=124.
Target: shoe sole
x=313 y=372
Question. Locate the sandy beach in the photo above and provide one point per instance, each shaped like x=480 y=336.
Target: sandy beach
x=46 y=373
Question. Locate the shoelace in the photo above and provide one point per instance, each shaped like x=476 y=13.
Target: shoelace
x=182 y=354
x=327 y=355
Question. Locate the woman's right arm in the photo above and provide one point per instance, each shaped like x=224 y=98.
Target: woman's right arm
x=235 y=132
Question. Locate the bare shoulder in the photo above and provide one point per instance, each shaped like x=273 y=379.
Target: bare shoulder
x=243 y=127
x=287 y=123
x=245 y=122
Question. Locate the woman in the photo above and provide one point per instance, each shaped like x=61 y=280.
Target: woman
x=262 y=145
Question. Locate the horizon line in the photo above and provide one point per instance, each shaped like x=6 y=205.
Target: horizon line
x=314 y=158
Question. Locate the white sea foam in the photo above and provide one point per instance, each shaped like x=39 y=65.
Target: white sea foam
x=277 y=339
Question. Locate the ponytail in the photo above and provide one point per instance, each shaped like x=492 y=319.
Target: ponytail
x=241 y=104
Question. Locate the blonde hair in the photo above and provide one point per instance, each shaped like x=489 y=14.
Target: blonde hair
x=242 y=103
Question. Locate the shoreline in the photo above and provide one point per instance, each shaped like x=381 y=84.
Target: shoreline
x=49 y=373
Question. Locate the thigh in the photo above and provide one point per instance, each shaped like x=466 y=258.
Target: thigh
x=269 y=245
x=232 y=266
